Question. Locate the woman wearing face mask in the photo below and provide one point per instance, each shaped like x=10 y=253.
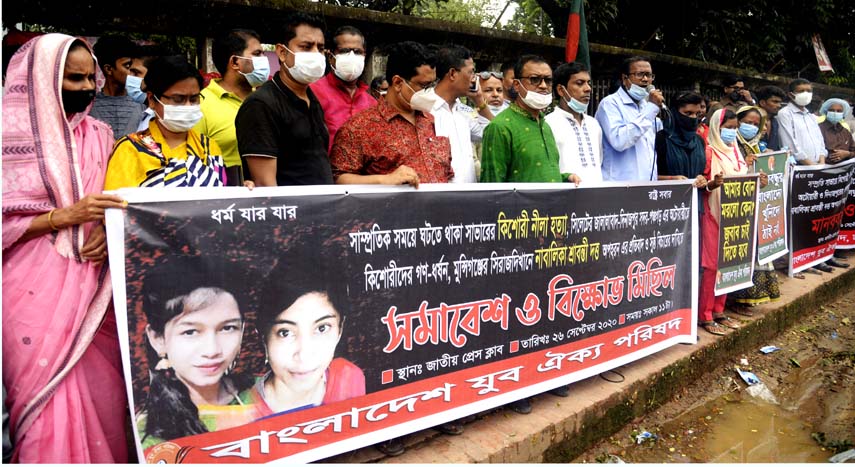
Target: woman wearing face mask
x=169 y=153
x=835 y=131
x=723 y=159
x=194 y=331
x=751 y=120
x=300 y=320
x=61 y=362
x=681 y=152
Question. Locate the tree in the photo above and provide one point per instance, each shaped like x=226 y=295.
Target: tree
x=474 y=12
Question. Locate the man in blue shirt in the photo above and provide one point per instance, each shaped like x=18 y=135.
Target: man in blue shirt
x=628 y=119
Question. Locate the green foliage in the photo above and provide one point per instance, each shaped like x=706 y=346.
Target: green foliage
x=530 y=18
x=474 y=12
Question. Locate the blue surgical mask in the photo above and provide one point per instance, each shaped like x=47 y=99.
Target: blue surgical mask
x=748 y=130
x=260 y=71
x=132 y=85
x=728 y=135
x=576 y=106
x=834 y=117
x=637 y=92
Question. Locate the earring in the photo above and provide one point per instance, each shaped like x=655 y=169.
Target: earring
x=163 y=363
x=231 y=367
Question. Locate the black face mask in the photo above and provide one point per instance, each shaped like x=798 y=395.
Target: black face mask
x=685 y=123
x=77 y=101
x=735 y=96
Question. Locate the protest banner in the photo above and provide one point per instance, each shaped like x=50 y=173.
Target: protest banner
x=772 y=207
x=846 y=238
x=298 y=323
x=737 y=239
x=818 y=195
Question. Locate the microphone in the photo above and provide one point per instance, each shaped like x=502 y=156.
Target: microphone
x=651 y=88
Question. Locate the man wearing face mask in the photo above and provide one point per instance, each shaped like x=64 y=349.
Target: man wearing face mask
x=454 y=120
x=394 y=142
x=112 y=104
x=240 y=59
x=577 y=134
x=734 y=95
x=518 y=145
x=799 y=130
x=379 y=87
x=629 y=121
x=280 y=127
x=341 y=93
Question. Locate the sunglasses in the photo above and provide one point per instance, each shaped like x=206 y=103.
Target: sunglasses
x=485 y=75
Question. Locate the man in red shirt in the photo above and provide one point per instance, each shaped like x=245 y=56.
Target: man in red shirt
x=341 y=94
x=395 y=141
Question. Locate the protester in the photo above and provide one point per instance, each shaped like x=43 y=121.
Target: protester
x=239 y=57
x=734 y=94
x=765 y=288
x=113 y=105
x=835 y=132
x=300 y=320
x=680 y=150
x=394 y=142
x=629 y=123
x=723 y=159
x=169 y=153
x=61 y=361
x=341 y=93
x=194 y=330
x=379 y=87
x=770 y=99
x=136 y=87
x=455 y=71
x=578 y=135
x=281 y=132
x=493 y=91
x=508 y=81
x=703 y=123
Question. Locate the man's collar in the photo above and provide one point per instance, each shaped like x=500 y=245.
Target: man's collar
x=519 y=110
x=215 y=87
x=338 y=83
x=625 y=97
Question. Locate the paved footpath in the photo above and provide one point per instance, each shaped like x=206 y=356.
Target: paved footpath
x=559 y=429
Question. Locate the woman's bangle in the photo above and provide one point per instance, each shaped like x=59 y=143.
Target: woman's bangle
x=50 y=220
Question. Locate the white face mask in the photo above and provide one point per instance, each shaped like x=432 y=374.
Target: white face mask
x=802 y=99
x=536 y=100
x=308 y=66
x=179 y=118
x=349 y=66
x=422 y=100
x=260 y=71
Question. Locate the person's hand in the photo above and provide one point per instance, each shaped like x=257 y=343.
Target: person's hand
x=837 y=155
x=717 y=181
x=95 y=248
x=573 y=178
x=90 y=208
x=402 y=175
x=750 y=158
x=656 y=97
x=249 y=184
x=764 y=179
x=477 y=96
x=746 y=96
x=700 y=182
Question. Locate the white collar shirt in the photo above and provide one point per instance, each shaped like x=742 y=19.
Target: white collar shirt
x=580 y=146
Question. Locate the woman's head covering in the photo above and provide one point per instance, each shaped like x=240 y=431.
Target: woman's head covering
x=754 y=142
x=714 y=138
x=41 y=147
x=828 y=103
x=684 y=148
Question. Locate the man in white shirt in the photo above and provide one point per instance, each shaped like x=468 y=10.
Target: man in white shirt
x=798 y=127
x=456 y=72
x=578 y=135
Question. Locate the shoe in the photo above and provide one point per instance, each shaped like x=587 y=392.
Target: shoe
x=450 y=428
x=560 y=391
x=823 y=267
x=714 y=328
x=839 y=254
x=837 y=264
x=728 y=323
x=522 y=406
x=393 y=447
x=743 y=310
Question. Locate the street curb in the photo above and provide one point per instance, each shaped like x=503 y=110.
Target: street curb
x=560 y=429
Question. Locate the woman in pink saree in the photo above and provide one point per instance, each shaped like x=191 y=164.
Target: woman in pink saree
x=61 y=362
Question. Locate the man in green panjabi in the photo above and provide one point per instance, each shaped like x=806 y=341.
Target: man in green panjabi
x=518 y=145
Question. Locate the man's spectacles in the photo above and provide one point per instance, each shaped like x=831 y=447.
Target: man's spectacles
x=485 y=75
x=643 y=74
x=180 y=99
x=426 y=87
x=536 y=80
x=342 y=51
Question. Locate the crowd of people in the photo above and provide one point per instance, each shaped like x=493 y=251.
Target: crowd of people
x=79 y=120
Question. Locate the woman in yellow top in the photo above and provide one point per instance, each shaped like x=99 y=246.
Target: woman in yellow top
x=169 y=153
